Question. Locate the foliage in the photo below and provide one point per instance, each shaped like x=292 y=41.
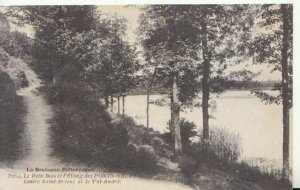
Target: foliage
x=113 y=72
x=265 y=47
x=274 y=47
x=140 y=152
x=170 y=41
x=225 y=145
x=79 y=124
x=68 y=46
x=12 y=111
x=56 y=30
x=15 y=43
x=82 y=130
x=192 y=46
x=221 y=155
x=14 y=67
x=188 y=131
x=223 y=148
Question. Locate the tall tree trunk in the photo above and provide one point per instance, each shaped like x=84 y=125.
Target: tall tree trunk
x=205 y=85
x=54 y=73
x=106 y=101
x=112 y=104
x=175 y=108
x=54 y=77
x=123 y=105
x=118 y=104
x=172 y=113
x=147 y=109
x=285 y=97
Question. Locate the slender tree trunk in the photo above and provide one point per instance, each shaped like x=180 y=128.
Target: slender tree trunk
x=147 y=109
x=123 y=105
x=53 y=70
x=172 y=113
x=205 y=85
x=118 y=104
x=148 y=97
x=106 y=101
x=285 y=97
x=176 y=117
x=54 y=76
x=112 y=103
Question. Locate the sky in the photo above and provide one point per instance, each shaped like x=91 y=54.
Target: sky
x=131 y=13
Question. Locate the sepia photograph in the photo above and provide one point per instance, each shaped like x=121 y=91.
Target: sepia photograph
x=146 y=96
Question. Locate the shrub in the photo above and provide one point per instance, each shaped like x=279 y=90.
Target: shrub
x=82 y=130
x=220 y=152
x=187 y=130
x=80 y=126
x=223 y=146
x=136 y=152
x=128 y=158
x=14 y=68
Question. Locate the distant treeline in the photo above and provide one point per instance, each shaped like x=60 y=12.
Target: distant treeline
x=141 y=87
x=250 y=85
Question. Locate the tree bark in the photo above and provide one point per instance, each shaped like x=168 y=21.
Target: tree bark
x=118 y=104
x=123 y=105
x=205 y=85
x=175 y=108
x=147 y=109
x=172 y=114
x=54 y=74
x=112 y=104
x=285 y=96
x=106 y=101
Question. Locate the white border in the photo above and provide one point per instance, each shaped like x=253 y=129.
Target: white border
x=296 y=106
x=140 y=2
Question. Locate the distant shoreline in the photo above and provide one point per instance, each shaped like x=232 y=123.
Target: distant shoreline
x=144 y=92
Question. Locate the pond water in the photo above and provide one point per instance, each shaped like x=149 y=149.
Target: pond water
x=258 y=125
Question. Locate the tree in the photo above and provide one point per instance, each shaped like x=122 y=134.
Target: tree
x=215 y=30
x=274 y=48
x=219 y=27
x=168 y=39
x=57 y=29
x=4 y=28
x=87 y=49
x=114 y=63
x=15 y=43
x=125 y=71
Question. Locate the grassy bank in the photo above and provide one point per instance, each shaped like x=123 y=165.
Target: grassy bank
x=12 y=112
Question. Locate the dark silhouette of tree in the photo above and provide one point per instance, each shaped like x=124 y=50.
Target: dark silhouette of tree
x=168 y=40
x=273 y=46
x=219 y=27
x=115 y=64
x=61 y=35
